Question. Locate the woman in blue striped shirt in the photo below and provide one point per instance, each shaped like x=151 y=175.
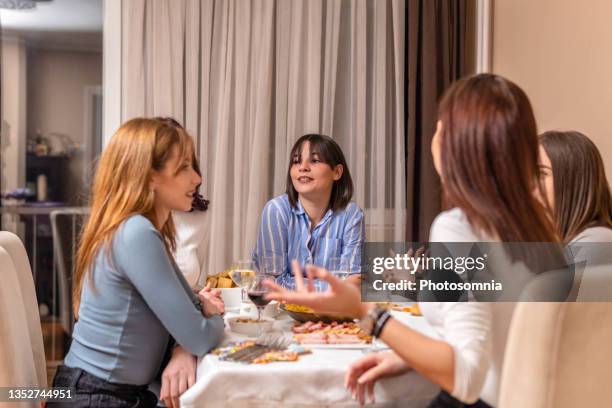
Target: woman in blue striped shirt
x=315 y=221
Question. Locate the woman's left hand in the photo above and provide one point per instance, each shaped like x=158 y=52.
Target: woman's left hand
x=177 y=377
x=363 y=373
x=211 y=301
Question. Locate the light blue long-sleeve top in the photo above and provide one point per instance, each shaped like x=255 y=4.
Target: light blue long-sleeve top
x=286 y=232
x=139 y=299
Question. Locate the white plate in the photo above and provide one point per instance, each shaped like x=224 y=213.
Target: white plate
x=377 y=345
x=337 y=346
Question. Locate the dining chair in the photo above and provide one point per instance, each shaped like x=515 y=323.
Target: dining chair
x=22 y=355
x=557 y=355
x=65 y=226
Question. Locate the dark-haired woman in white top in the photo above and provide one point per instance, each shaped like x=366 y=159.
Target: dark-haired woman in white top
x=486 y=126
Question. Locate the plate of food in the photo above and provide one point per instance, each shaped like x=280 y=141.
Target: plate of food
x=220 y=280
x=331 y=335
x=413 y=309
x=305 y=314
x=249 y=326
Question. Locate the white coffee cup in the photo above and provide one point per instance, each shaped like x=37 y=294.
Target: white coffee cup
x=232 y=297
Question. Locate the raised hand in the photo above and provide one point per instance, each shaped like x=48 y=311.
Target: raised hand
x=397 y=275
x=340 y=298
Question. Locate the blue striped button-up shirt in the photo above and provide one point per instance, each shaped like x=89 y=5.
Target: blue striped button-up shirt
x=285 y=234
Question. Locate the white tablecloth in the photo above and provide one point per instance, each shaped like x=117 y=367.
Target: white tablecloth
x=316 y=380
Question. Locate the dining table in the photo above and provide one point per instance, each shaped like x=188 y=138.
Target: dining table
x=315 y=380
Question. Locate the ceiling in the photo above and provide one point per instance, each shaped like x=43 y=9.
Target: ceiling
x=69 y=24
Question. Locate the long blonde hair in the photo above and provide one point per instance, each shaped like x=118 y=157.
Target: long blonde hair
x=121 y=188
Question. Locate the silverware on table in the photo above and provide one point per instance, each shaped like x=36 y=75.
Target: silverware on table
x=266 y=342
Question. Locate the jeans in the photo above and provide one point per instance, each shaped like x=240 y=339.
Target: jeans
x=91 y=391
x=445 y=400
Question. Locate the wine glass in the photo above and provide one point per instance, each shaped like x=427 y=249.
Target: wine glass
x=257 y=291
x=243 y=274
x=339 y=267
x=274 y=265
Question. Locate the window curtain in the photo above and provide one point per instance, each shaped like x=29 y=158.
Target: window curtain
x=438 y=45
x=247 y=78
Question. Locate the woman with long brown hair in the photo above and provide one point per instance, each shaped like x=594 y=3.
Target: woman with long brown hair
x=486 y=152
x=129 y=296
x=576 y=187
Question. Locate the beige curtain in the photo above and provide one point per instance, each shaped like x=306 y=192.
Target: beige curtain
x=248 y=77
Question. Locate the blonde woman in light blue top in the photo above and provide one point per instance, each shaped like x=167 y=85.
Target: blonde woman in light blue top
x=130 y=298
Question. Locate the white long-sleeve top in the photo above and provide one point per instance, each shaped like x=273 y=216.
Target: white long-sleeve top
x=477 y=332
x=191 y=240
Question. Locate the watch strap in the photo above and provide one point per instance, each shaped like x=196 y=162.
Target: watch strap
x=380 y=323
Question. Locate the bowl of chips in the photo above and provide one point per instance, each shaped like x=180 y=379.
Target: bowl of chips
x=221 y=280
x=305 y=314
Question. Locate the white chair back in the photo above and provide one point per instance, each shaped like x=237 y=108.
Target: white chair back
x=558 y=356
x=22 y=353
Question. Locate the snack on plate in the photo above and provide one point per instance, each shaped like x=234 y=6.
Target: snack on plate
x=211 y=281
x=414 y=309
x=225 y=283
x=221 y=280
x=276 y=356
x=247 y=320
x=297 y=308
x=387 y=305
x=330 y=333
x=232 y=348
x=248 y=326
x=231 y=353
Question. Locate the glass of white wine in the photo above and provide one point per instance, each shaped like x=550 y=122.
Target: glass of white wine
x=243 y=275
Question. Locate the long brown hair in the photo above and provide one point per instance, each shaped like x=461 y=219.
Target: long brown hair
x=581 y=192
x=121 y=188
x=489 y=156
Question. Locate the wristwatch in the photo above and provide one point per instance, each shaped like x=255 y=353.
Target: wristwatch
x=368 y=322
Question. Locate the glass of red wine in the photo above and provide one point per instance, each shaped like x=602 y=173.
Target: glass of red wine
x=257 y=291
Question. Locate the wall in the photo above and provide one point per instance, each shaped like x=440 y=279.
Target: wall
x=56 y=95
x=560 y=53
x=13 y=120
x=13 y=112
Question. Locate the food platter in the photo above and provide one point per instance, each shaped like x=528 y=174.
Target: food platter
x=331 y=335
x=304 y=314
